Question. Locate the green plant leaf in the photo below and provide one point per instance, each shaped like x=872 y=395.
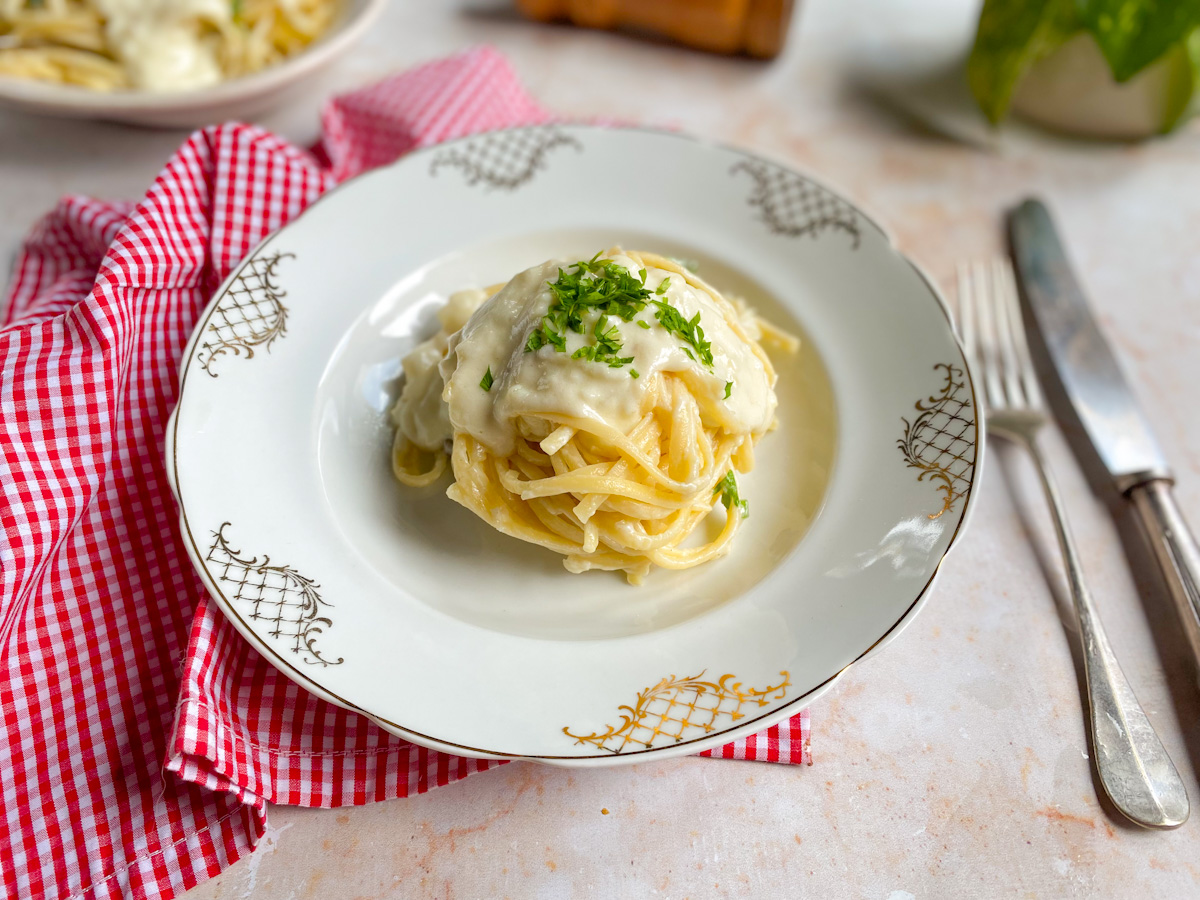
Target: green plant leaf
x=1134 y=33
x=1183 y=81
x=1131 y=34
x=1012 y=36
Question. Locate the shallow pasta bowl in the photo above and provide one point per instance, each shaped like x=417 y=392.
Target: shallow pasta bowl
x=234 y=99
x=402 y=605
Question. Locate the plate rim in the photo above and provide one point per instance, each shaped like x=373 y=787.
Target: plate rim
x=680 y=748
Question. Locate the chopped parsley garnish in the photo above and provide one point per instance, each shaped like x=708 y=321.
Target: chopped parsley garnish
x=488 y=380
x=596 y=284
x=727 y=488
x=728 y=389
x=633 y=373
x=687 y=330
x=608 y=344
x=602 y=286
x=539 y=337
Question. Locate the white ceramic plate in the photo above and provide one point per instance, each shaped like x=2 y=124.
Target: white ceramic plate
x=402 y=605
x=240 y=98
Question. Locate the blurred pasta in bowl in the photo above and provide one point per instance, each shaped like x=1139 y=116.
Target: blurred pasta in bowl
x=168 y=62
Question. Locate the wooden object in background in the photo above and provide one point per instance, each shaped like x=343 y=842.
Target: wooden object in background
x=755 y=27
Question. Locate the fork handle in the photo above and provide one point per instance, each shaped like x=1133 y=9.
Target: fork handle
x=1133 y=765
x=1176 y=550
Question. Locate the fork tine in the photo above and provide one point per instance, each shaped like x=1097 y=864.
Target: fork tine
x=1008 y=327
x=1023 y=359
x=985 y=318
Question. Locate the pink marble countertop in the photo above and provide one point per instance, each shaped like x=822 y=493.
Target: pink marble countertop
x=955 y=764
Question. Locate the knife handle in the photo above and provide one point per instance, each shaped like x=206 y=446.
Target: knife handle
x=1177 y=552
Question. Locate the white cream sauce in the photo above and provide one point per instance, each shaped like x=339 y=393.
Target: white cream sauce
x=420 y=413
x=533 y=384
x=162 y=43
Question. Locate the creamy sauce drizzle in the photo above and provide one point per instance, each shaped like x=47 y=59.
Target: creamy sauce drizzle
x=162 y=42
x=420 y=413
x=534 y=384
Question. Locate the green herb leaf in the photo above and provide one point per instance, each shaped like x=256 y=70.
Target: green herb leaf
x=633 y=373
x=727 y=488
x=607 y=336
x=488 y=380
x=643 y=324
x=687 y=330
x=728 y=389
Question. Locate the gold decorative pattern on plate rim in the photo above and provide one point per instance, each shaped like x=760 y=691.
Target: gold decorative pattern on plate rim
x=503 y=160
x=250 y=313
x=277 y=595
x=678 y=705
x=940 y=440
x=793 y=206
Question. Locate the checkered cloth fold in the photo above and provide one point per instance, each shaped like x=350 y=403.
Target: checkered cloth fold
x=142 y=738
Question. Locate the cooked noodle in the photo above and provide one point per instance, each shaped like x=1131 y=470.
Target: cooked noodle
x=604 y=494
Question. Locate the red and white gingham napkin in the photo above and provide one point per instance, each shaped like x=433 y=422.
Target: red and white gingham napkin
x=142 y=737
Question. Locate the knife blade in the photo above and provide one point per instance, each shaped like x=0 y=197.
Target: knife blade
x=1082 y=357
x=1104 y=403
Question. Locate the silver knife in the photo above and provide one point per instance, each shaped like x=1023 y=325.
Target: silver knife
x=1105 y=403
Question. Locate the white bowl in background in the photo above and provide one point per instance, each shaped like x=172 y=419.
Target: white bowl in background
x=239 y=98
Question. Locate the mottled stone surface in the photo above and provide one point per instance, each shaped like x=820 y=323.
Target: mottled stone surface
x=953 y=765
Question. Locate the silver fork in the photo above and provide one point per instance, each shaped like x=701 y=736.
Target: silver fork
x=1133 y=766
